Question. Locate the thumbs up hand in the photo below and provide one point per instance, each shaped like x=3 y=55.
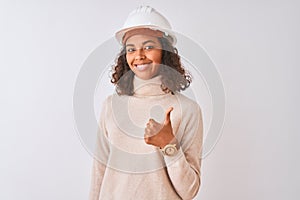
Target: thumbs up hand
x=159 y=134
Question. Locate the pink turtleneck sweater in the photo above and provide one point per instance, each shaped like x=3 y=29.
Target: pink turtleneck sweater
x=125 y=167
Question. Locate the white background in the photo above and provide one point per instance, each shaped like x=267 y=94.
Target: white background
x=255 y=45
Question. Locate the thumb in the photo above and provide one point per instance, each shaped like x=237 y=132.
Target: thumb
x=168 y=114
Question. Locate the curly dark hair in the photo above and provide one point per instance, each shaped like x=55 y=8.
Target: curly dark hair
x=174 y=76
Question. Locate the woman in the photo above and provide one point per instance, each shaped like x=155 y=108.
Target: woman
x=142 y=154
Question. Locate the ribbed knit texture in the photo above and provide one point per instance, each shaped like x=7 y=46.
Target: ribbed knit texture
x=125 y=167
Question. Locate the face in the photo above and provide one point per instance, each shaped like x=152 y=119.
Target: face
x=143 y=55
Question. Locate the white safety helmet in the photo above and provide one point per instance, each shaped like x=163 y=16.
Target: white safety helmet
x=146 y=17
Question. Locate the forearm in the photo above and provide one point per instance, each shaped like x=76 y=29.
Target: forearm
x=184 y=176
x=184 y=167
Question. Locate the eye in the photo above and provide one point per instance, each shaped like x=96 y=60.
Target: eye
x=129 y=50
x=149 y=47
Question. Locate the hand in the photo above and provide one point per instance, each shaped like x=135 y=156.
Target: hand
x=159 y=134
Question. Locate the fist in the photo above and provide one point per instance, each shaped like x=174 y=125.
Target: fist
x=158 y=134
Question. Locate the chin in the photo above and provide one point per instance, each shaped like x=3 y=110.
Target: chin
x=145 y=76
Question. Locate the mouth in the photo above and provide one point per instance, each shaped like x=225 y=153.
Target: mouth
x=142 y=67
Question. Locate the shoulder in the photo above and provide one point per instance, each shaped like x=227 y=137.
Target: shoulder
x=106 y=103
x=113 y=97
x=186 y=102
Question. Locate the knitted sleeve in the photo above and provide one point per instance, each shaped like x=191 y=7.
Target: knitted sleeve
x=100 y=156
x=184 y=168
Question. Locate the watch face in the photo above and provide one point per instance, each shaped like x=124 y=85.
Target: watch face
x=170 y=150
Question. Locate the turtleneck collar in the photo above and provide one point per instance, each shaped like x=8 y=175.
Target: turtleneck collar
x=150 y=87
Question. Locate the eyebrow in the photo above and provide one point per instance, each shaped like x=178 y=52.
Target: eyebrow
x=147 y=41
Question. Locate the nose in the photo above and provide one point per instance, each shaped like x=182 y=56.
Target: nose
x=140 y=54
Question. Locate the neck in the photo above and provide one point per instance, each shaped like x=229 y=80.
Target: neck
x=149 y=87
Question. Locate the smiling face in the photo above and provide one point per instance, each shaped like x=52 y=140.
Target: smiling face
x=143 y=55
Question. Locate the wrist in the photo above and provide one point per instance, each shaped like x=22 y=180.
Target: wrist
x=171 y=148
x=172 y=141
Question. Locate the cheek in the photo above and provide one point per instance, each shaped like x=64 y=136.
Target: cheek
x=157 y=56
x=128 y=59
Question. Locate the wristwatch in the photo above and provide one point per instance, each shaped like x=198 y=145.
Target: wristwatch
x=169 y=150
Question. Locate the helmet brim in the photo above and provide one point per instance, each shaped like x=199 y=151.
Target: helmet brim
x=168 y=34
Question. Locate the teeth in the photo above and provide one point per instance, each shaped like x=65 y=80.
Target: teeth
x=142 y=67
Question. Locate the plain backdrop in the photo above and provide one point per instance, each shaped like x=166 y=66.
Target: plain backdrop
x=254 y=44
